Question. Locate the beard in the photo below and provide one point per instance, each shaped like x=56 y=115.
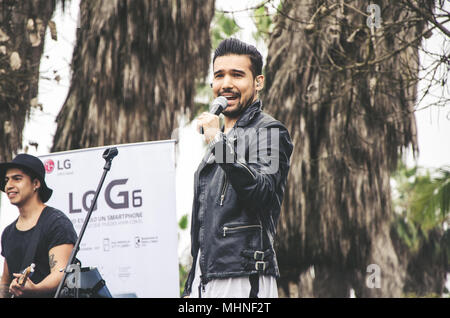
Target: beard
x=240 y=108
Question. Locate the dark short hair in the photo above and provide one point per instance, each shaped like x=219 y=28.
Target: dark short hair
x=235 y=46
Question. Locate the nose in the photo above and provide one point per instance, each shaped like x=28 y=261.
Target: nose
x=227 y=82
x=7 y=185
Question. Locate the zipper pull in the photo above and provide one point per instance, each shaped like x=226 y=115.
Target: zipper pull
x=224 y=231
x=222 y=197
x=201 y=287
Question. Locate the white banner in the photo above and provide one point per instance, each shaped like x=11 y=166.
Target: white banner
x=132 y=234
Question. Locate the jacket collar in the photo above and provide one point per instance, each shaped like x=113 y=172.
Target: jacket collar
x=243 y=121
x=249 y=113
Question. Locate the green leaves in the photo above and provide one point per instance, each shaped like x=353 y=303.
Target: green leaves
x=222 y=27
x=183 y=270
x=183 y=223
x=263 y=22
x=422 y=202
x=430 y=204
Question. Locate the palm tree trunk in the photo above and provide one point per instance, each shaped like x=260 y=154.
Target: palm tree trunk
x=134 y=70
x=346 y=91
x=22 y=32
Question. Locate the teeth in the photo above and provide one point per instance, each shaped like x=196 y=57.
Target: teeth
x=229 y=95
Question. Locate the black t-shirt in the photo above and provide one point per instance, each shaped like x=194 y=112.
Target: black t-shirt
x=56 y=229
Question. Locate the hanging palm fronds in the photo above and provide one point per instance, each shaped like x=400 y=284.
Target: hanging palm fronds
x=134 y=70
x=22 y=32
x=345 y=85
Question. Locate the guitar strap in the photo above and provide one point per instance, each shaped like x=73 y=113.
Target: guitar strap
x=31 y=249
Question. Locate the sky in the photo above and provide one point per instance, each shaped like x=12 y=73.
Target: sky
x=433 y=122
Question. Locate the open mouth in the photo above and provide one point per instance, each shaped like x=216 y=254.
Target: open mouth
x=230 y=97
x=11 y=194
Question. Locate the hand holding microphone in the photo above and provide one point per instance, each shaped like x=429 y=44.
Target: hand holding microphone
x=208 y=122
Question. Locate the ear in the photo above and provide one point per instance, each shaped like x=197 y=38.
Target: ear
x=36 y=184
x=259 y=82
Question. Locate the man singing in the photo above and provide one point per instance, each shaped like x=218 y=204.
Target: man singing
x=239 y=185
x=40 y=235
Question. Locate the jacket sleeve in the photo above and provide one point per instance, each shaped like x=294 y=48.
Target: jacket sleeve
x=259 y=173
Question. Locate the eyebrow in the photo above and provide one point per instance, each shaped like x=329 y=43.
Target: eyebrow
x=14 y=175
x=232 y=70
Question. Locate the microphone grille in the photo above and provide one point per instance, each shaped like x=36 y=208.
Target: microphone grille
x=220 y=101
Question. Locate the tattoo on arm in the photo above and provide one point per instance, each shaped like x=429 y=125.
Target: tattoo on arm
x=51 y=261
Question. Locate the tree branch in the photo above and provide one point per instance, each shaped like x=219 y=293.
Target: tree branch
x=428 y=16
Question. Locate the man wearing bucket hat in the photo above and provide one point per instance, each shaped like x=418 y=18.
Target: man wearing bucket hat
x=41 y=235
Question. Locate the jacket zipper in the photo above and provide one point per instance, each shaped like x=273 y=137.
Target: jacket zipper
x=202 y=284
x=243 y=165
x=224 y=190
x=201 y=287
x=226 y=228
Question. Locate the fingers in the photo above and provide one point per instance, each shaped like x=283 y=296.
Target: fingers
x=16 y=292
x=207 y=118
x=207 y=121
x=200 y=119
x=199 y=126
x=14 y=288
x=204 y=114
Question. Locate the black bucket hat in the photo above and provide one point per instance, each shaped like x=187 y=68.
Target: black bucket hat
x=30 y=164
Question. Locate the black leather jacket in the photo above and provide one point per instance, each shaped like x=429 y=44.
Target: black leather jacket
x=237 y=199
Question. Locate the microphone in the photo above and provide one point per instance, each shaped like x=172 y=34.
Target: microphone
x=217 y=107
x=110 y=153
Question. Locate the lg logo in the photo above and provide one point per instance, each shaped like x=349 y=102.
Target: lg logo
x=50 y=165
x=114 y=199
